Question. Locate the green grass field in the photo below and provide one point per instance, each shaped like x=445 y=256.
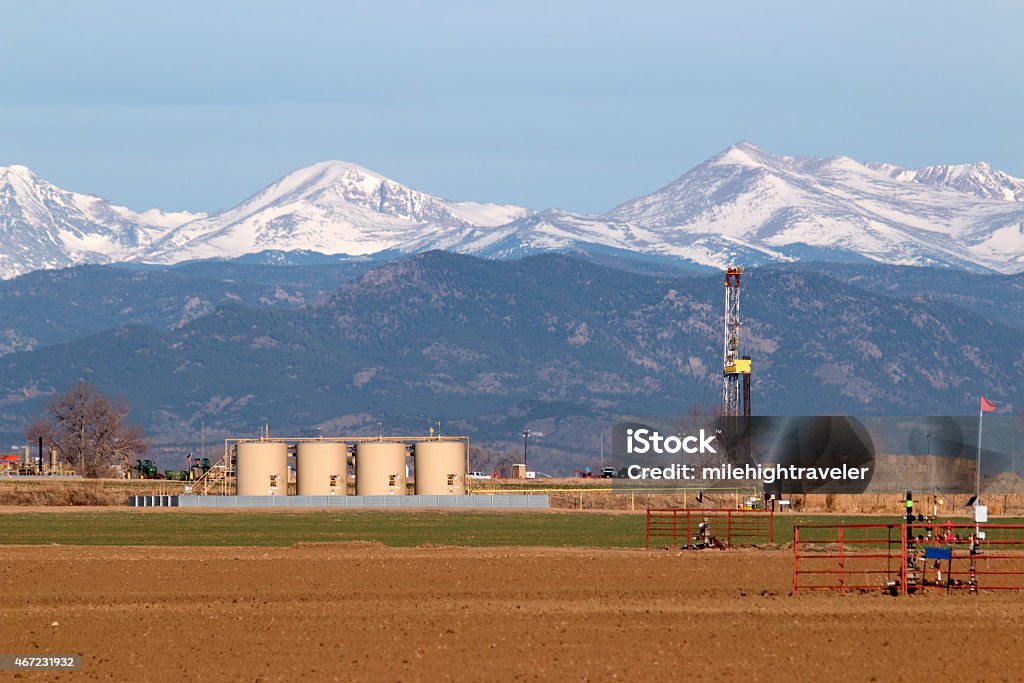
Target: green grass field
x=255 y=528
x=400 y=529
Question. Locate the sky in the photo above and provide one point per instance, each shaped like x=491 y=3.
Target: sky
x=570 y=104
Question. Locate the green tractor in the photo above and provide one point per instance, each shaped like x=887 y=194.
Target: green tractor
x=195 y=469
x=146 y=469
x=200 y=466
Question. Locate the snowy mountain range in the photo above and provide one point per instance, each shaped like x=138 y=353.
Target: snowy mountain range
x=43 y=226
x=743 y=205
x=331 y=207
x=978 y=179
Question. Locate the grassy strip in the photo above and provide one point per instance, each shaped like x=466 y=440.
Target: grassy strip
x=253 y=528
x=399 y=529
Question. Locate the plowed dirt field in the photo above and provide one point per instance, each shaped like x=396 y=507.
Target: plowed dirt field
x=368 y=612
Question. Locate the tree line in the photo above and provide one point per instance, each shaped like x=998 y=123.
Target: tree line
x=89 y=431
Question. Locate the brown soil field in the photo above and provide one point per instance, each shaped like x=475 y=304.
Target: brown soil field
x=367 y=612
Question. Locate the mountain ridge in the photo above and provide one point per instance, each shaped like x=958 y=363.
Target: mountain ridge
x=45 y=226
x=742 y=205
x=364 y=211
x=549 y=340
x=977 y=178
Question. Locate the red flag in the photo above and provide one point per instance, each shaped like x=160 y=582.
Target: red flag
x=987 y=406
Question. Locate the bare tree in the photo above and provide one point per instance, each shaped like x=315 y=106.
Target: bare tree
x=89 y=431
x=39 y=429
x=489 y=460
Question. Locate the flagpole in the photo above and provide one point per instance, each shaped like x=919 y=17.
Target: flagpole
x=986 y=406
x=977 y=473
x=977 y=485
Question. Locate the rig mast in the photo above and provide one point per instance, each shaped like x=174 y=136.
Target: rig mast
x=733 y=364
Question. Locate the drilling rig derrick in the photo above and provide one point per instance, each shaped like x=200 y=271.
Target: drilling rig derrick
x=735 y=367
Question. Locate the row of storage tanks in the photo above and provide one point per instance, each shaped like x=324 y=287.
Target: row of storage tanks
x=321 y=468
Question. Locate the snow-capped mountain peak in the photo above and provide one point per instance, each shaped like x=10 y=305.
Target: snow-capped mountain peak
x=750 y=204
x=15 y=172
x=333 y=207
x=324 y=176
x=44 y=226
x=743 y=153
x=978 y=179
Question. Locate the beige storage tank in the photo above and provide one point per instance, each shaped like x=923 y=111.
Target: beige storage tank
x=440 y=468
x=261 y=468
x=321 y=469
x=380 y=468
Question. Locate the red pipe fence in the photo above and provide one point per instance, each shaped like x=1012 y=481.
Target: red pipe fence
x=685 y=529
x=906 y=558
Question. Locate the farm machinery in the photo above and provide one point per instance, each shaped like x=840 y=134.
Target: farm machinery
x=197 y=468
x=147 y=469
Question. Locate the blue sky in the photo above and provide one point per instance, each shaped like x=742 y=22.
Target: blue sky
x=581 y=105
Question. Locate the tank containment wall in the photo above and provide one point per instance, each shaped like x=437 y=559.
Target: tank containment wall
x=321 y=469
x=380 y=469
x=257 y=464
x=440 y=468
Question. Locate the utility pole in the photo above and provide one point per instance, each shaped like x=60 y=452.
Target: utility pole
x=526 y=438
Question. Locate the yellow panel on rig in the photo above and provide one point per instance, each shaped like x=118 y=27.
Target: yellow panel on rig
x=740 y=366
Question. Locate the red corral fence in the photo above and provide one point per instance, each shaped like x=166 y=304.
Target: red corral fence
x=719 y=528
x=906 y=558
x=848 y=557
